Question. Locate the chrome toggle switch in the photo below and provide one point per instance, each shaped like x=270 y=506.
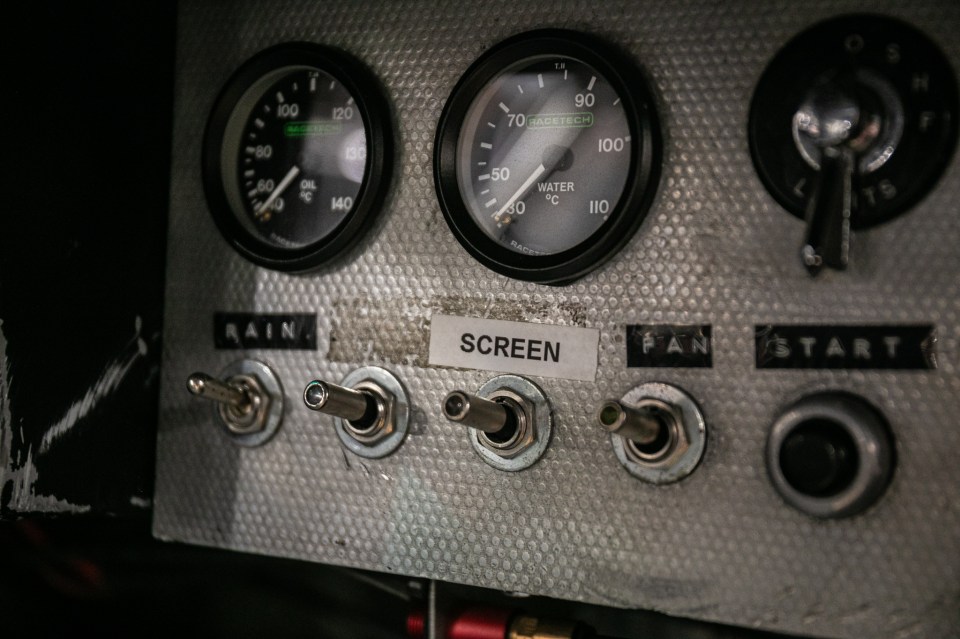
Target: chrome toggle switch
x=370 y=407
x=657 y=430
x=248 y=398
x=509 y=419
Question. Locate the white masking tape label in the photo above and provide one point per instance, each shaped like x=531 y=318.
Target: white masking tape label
x=567 y=352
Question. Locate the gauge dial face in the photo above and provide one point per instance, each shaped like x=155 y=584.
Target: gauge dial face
x=544 y=155
x=295 y=156
x=547 y=155
x=302 y=160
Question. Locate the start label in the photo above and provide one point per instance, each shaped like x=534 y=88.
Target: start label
x=522 y=348
x=903 y=347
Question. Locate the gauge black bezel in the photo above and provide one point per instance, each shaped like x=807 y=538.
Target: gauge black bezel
x=370 y=101
x=645 y=156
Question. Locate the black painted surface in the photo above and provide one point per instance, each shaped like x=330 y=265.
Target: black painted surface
x=86 y=114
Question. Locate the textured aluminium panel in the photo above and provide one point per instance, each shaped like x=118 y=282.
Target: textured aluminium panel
x=715 y=249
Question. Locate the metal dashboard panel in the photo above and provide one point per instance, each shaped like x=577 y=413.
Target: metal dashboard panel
x=715 y=249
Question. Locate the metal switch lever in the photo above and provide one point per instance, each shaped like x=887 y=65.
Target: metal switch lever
x=346 y=403
x=640 y=425
x=841 y=119
x=208 y=387
x=829 y=209
x=476 y=412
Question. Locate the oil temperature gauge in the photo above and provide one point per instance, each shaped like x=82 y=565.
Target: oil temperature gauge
x=296 y=155
x=547 y=155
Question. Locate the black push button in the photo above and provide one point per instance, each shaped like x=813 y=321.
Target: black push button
x=819 y=458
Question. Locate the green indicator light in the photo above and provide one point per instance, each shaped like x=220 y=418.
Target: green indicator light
x=582 y=120
x=311 y=128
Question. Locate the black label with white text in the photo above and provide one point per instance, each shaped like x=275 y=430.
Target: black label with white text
x=668 y=345
x=903 y=347
x=288 y=331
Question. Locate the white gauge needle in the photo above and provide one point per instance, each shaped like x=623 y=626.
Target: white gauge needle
x=284 y=183
x=523 y=189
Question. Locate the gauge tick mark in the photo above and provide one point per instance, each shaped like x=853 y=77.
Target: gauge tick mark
x=505 y=108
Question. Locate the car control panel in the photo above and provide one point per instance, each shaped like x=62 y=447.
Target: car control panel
x=641 y=304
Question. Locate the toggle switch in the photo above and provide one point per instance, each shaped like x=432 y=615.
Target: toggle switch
x=248 y=398
x=643 y=425
x=657 y=431
x=851 y=124
x=362 y=408
x=509 y=418
x=370 y=407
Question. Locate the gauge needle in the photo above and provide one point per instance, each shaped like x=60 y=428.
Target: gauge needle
x=284 y=183
x=523 y=189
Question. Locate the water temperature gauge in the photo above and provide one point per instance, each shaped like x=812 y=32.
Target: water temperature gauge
x=547 y=155
x=296 y=155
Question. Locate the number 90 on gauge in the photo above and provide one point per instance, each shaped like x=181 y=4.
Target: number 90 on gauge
x=547 y=156
x=296 y=156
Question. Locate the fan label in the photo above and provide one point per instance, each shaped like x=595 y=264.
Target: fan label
x=901 y=347
x=669 y=346
x=288 y=331
x=523 y=348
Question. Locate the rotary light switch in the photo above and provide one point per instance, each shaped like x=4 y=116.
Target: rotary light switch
x=851 y=124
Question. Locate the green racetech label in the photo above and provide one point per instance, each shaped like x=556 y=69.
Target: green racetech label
x=582 y=120
x=311 y=128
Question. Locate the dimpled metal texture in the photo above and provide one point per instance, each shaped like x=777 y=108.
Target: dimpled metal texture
x=714 y=249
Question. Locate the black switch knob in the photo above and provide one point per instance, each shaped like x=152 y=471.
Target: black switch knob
x=851 y=124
